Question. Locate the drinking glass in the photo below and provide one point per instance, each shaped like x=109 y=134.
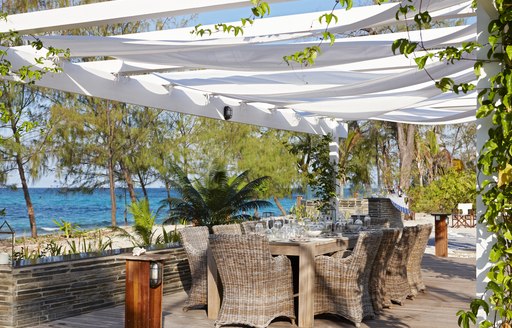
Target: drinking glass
x=276 y=227
x=259 y=229
x=270 y=234
x=285 y=231
x=300 y=232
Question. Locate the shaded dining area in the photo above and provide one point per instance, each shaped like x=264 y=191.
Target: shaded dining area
x=245 y=275
x=371 y=277
x=450 y=284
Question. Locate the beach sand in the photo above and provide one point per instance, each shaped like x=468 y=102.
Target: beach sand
x=461 y=241
x=117 y=239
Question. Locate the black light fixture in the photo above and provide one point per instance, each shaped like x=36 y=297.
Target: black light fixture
x=228 y=113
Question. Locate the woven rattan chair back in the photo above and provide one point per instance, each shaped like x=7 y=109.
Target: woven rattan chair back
x=379 y=222
x=414 y=264
x=257 y=287
x=342 y=283
x=195 y=243
x=227 y=229
x=250 y=226
x=378 y=275
x=397 y=284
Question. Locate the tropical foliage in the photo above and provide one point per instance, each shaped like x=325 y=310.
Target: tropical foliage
x=443 y=194
x=144 y=232
x=96 y=144
x=495 y=156
x=317 y=167
x=219 y=199
x=25 y=132
x=94 y=241
x=69 y=229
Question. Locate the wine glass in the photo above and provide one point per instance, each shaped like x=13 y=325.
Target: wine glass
x=285 y=231
x=259 y=229
x=276 y=229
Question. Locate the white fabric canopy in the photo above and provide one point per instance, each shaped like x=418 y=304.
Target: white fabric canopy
x=355 y=79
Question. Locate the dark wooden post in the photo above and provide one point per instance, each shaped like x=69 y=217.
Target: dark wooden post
x=441 y=232
x=143 y=303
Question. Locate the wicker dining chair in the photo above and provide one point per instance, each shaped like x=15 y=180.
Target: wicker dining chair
x=342 y=283
x=195 y=243
x=380 y=265
x=257 y=288
x=250 y=226
x=227 y=229
x=414 y=264
x=379 y=222
x=397 y=283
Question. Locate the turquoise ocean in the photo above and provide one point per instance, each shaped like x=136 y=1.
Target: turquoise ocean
x=88 y=211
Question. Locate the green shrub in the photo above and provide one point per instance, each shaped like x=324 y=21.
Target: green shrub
x=444 y=194
x=69 y=229
x=169 y=237
x=85 y=244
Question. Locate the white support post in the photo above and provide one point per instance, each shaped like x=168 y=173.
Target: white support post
x=485 y=240
x=334 y=157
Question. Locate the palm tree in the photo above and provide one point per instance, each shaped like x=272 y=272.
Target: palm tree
x=218 y=200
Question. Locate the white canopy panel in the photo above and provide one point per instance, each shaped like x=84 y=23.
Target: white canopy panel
x=355 y=79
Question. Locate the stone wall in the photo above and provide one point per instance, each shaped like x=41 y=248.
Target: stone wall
x=347 y=206
x=6 y=297
x=383 y=208
x=34 y=294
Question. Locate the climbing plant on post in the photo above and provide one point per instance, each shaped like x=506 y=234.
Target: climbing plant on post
x=496 y=161
x=495 y=158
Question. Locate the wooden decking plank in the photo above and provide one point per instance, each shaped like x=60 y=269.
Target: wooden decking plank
x=450 y=286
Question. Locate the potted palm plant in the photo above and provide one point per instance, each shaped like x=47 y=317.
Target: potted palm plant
x=219 y=199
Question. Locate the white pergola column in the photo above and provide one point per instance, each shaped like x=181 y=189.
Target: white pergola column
x=334 y=157
x=485 y=240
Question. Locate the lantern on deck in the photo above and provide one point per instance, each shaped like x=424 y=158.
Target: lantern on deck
x=6 y=229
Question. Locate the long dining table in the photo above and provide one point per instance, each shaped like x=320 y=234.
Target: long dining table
x=306 y=252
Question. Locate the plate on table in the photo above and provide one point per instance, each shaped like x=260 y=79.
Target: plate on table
x=313 y=233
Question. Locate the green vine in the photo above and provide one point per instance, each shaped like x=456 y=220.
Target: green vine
x=324 y=174
x=28 y=73
x=495 y=160
x=308 y=55
x=259 y=10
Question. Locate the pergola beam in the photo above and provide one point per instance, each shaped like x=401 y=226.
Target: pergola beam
x=154 y=92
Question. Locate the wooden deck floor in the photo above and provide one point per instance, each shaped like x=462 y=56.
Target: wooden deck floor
x=450 y=286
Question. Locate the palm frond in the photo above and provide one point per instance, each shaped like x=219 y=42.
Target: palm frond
x=215 y=200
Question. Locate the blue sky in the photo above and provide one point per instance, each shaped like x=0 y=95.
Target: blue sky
x=276 y=9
